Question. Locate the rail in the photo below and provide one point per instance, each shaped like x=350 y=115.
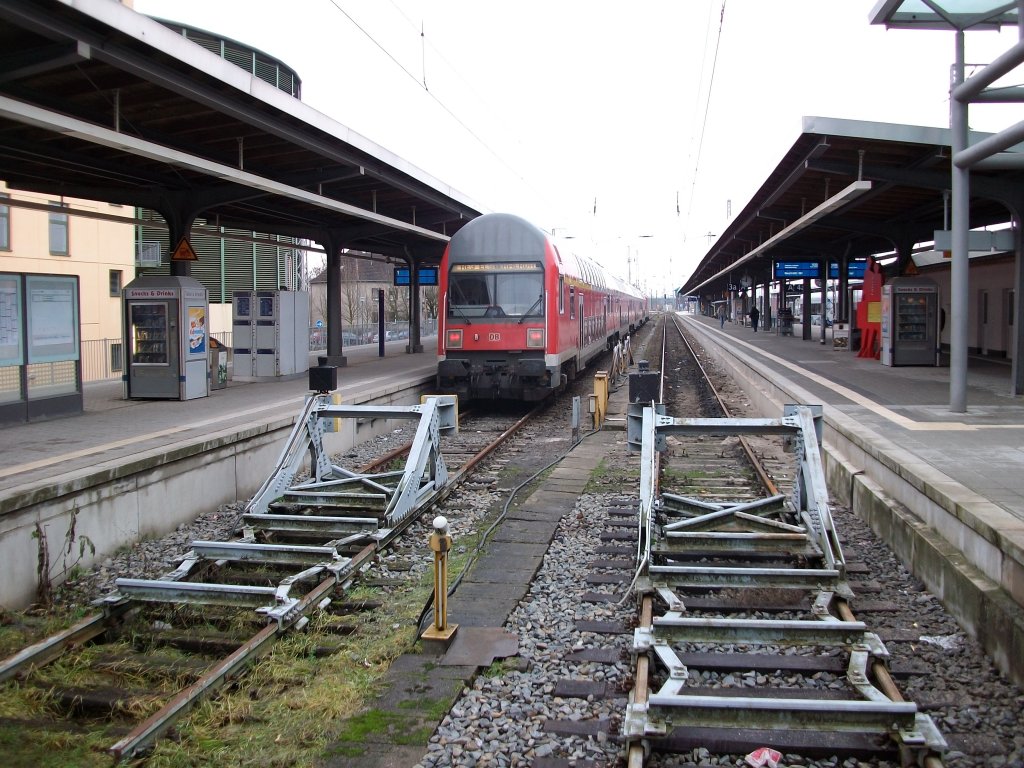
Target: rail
x=761 y=526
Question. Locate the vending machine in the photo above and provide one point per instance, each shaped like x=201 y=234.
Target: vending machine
x=167 y=339
x=910 y=322
x=270 y=334
x=242 y=339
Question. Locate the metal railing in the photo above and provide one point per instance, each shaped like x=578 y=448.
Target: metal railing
x=104 y=359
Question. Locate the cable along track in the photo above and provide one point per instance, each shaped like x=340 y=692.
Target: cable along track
x=746 y=639
x=303 y=539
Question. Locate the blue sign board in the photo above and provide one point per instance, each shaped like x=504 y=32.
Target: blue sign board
x=794 y=270
x=797 y=270
x=425 y=275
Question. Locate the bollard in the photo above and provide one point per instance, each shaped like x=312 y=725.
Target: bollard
x=441 y=543
x=600 y=398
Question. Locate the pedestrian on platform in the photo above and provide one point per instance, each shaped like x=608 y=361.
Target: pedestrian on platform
x=721 y=315
x=754 y=316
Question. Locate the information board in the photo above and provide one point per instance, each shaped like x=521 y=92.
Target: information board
x=799 y=270
x=11 y=352
x=425 y=275
x=795 y=270
x=52 y=318
x=854 y=270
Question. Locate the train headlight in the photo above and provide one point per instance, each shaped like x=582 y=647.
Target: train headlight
x=453 y=339
x=535 y=337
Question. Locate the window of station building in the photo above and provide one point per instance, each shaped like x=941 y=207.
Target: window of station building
x=58 y=232
x=116 y=277
x=5 y=225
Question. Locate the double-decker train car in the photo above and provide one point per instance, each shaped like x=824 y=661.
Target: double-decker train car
x=521 y=317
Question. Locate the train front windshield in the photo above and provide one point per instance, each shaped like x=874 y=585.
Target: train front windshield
x=503 y=289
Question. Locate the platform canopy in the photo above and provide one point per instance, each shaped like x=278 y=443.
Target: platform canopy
x=849 y=188
x=100 y=102
x=945 y=14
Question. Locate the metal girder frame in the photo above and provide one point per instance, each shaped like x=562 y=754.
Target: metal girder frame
x=712 y=527
x=874 y=712
x=30 y=114
x=800 y=423
x=143 y=736
x=335 y=486
x=425 y=473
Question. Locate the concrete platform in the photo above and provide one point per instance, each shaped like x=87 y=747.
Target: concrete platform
x=127 y=469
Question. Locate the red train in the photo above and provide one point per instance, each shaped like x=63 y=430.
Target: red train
x=520 y=317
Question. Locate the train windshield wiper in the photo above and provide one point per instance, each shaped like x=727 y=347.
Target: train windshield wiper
x=458 y=309
x=528 y=312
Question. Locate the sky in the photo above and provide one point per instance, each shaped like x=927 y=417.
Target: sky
x=637 y=129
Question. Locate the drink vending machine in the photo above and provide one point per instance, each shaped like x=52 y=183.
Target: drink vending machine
x=270 y=334
x=910 y=322
x=167 y=338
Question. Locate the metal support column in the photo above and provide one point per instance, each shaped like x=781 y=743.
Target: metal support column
x=961 y=200
x=332 y=246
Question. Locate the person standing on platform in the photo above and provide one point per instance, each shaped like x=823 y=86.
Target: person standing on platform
x=754 y=316
x=721 y=315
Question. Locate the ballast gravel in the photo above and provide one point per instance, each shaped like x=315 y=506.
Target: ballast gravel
x=504 y=717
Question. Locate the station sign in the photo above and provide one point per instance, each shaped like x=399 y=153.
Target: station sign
x=809 y=270
x=854 y=270
x=795 y=270
x=425 y=276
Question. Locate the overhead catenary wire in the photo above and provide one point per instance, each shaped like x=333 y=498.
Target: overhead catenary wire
x=424 y=42
x=704 y=121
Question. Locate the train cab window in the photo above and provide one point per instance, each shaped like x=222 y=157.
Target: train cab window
x=496 y=290
x=470 y=290
x=572 y=303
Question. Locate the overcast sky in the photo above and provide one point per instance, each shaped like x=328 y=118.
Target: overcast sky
x=542 y=107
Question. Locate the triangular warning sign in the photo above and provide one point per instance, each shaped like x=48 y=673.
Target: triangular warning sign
x=183 y=251
x=910 y=269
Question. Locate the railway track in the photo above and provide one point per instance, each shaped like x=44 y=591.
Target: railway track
x=160 y=646
x=746 y=643
x=727 y=659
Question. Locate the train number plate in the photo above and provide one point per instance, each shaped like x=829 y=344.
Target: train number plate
x=494 y=336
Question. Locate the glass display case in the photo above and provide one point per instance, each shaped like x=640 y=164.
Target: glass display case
x=148 y=333
x=910 y=322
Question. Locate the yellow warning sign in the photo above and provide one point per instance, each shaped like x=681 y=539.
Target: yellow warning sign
x=183 y=251
x=910 y=269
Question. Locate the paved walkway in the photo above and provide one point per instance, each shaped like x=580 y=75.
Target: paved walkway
x=115 y=429
x=907 y=406
x=420 y=687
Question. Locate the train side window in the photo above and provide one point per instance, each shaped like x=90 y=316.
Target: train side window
x=561 y=295
x=572 y=303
